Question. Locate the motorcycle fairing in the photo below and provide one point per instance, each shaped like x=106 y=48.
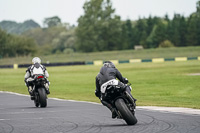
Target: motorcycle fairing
x=110 y=82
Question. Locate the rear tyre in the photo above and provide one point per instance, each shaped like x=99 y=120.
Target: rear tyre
x=127 y=115
x=42 y=97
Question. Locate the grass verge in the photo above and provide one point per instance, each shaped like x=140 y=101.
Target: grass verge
x=154 y=84
x=110 y=55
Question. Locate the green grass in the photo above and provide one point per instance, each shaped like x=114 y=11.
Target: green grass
x=110 y=55
x=154 y=84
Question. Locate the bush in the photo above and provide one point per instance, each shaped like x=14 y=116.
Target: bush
x=68 y=51
x=166 y=44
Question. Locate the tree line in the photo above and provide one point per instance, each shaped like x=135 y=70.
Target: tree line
x=18 y=28
x=14 y=45
x=100 y=29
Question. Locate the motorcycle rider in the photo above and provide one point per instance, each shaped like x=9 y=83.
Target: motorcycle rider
x=109 y=72
x=36 y=68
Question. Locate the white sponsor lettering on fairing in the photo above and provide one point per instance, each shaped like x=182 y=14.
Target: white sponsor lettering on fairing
x=110 y=82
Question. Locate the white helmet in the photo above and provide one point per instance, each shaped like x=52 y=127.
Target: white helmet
x=36 y=60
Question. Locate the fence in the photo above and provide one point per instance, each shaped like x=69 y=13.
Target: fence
x=100 y=62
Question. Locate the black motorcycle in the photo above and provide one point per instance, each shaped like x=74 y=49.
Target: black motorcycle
x=39 y=91
x=123 y=102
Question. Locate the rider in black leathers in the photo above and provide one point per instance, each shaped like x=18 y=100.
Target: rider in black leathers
x=109 y=72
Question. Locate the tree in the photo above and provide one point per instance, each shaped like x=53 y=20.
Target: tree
x=14 y=45
x=18 y=28
x=183 y=31
x=140 y=32
x=160 y=32
x=52 y=21
x=151 y=39
x=127 y=35
x=3 y=40
x=53 y=39
x=65 y=40
x=198 y=7
x=150 y=24
x=198 y=22
x=157 y=35
x=177 y=30
x=98 y=29
x=192 y=31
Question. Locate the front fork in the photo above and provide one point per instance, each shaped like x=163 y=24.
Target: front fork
x=132 y=100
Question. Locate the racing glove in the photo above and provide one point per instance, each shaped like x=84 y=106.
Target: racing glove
x=125 y=80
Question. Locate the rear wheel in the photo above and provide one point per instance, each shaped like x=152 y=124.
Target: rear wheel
x=42 y=97
x=127 y=115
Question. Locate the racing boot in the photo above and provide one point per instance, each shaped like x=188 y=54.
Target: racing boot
x=114 y=114
x=109 y=106
x=30 y=90
x=47 y=88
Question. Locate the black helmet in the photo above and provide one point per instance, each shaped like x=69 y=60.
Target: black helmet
x=108 y=64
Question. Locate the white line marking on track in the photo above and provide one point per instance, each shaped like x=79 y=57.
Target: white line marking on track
x=40 y=118
x=172 y=109
x=11 y=113
x=4 y=119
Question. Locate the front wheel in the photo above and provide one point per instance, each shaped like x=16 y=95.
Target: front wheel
x=127 y=115
x=42 y=97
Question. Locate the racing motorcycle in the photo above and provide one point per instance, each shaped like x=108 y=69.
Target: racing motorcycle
x=124 y=103
x=39 y=91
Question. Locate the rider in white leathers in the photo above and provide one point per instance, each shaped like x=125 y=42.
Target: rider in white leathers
x=36 y=68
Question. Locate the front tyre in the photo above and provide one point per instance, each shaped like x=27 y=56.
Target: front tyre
x=127 y=115
x=42 y=97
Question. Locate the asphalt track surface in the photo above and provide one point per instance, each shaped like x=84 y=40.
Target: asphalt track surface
x=18 y=115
